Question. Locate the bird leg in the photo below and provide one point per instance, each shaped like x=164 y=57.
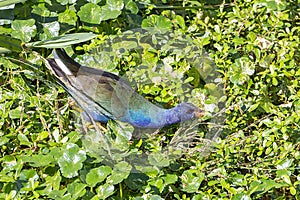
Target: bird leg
x=97 y=126
x=101 y=127
x=156 y=131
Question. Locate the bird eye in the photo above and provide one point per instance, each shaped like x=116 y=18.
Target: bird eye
x=190 y=111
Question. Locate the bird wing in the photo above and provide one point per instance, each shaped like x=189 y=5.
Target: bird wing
x=96 y=91
x=107 y=90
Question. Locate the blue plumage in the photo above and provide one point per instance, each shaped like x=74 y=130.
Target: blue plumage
x=107 y=96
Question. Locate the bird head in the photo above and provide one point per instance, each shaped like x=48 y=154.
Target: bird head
x=189 y=111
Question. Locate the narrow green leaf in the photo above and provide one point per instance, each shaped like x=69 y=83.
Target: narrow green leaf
x=253 y=107
x=293 y=190
x=10 y=2
x=4 y=50
x=23 y=140
x=63 y=41
x=10 y=43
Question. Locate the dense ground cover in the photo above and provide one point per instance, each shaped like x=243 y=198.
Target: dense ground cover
x=255 y=47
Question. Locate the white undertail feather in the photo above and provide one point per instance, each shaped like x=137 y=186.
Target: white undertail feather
x=62 y=66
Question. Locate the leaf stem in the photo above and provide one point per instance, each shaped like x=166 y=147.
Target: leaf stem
x=121 y=191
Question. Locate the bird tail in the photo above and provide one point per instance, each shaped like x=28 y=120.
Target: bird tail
x=65 y=66
x=62 y=67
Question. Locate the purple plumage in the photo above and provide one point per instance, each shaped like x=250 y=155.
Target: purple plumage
x=107 y=96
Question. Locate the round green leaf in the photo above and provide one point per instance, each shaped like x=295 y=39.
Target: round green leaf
x=108 y=13
x=97 y=175
x=115 y=4
x=68 y=17
x=132 y=7
x=191 y=180
x=240 y=71
x=119 y=173
x=170 y=179
x=15 y=113
x=136 y=180
x=71 y=160
x=29 y=177
x=23 y=29
x=157 y=23
x=77 y=190
x=94 y=1
x=65 y=2
x=50 y=30
x=105 y=191
x=158 y=159
x=90 y=13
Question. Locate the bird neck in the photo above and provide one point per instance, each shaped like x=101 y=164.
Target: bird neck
x=151 y=116
x=166 y=117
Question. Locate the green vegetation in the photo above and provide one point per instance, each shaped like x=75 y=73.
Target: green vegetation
x=255 y=45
